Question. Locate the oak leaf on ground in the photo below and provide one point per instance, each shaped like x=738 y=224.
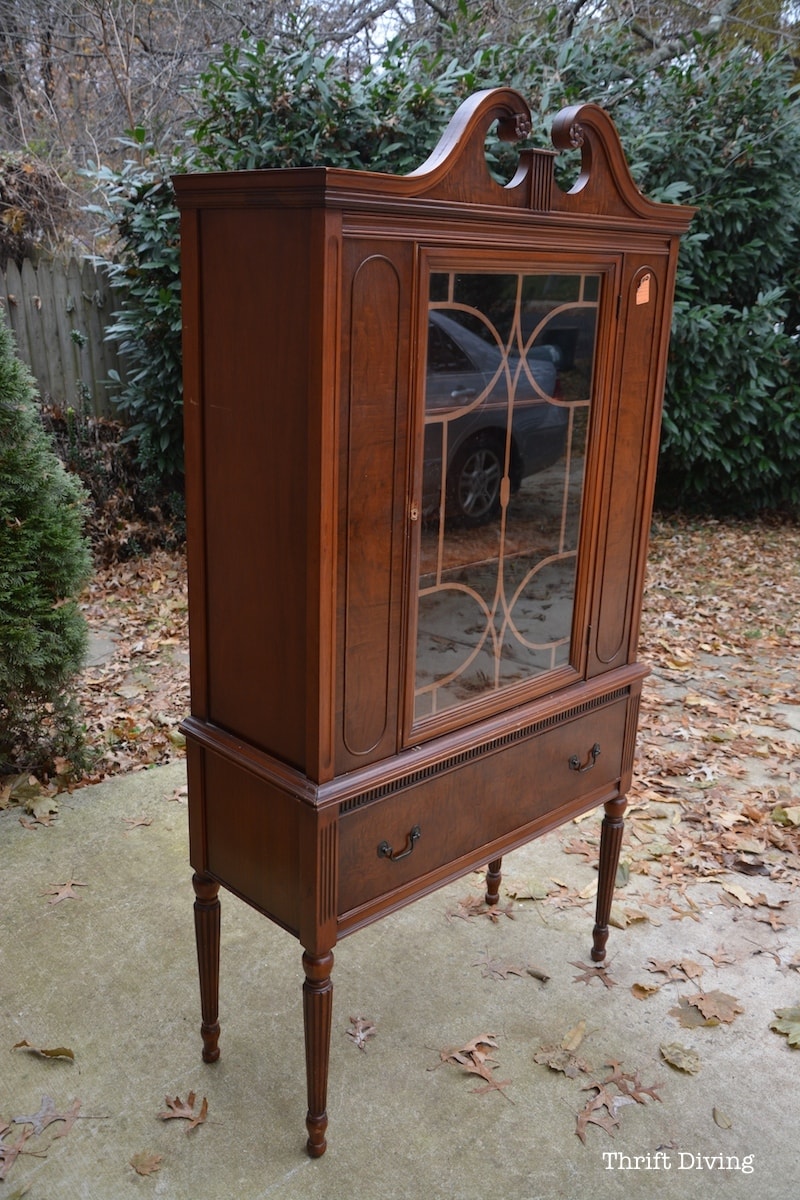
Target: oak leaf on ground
x=184 y=1110
x=362 y=1030
x=590 y=973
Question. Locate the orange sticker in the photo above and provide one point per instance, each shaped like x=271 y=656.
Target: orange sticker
x=643 y=290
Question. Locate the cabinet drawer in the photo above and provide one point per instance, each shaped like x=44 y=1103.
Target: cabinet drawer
x=470 y=804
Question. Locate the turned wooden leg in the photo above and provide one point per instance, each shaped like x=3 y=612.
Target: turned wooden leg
x=206 y=928
x=317 y=1011
x=610 y=843
x=493 y=877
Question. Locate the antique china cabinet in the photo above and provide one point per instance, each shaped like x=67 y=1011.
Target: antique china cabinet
x=422 y=419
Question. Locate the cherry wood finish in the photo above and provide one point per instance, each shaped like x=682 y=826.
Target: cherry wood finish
x=330 y=781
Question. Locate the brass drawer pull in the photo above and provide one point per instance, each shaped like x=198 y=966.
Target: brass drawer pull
x=386 y=851
x=575 y=762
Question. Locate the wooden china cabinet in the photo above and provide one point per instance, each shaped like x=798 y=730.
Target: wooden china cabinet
x=422 y=419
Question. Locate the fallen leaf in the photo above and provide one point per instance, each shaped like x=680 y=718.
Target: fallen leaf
x=493 y=968
x=786 y=815
x=361 y=1032
x=58 y=1052
x=527 y=890
x=739 y=893
x=596 y=1115
x=475 y=1059
x=681 y=1057
x=682 y=969
x=184 y=1110
x=720 y=957
x=47 y=1114
x=537 y=973
x=689 y=1016
x=559 y=1059
x=10 y=1153
x=716 y=1005
x=721 y=1119
x=573 y=1038
x=146 y=1164
x=788 y=1022
x=643 y=990
x=590 y=973
x=136 y=822
x=63 y=891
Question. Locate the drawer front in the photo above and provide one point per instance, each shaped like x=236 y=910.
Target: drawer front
x=391 y=842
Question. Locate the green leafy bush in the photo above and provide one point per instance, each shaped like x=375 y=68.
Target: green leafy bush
x=45 y=560
x=719 y=129
x=140 y=208
x=730 y=130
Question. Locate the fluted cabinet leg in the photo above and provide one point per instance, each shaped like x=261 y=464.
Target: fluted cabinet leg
x=493 y=877
x=610 y=844
x=206 y=927
x=317 y=1011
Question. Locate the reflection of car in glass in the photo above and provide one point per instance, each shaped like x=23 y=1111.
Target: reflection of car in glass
x=464 y=372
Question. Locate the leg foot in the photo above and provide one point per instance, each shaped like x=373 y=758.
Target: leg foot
x=493 y=878
x=206 y=925
x=317 y=1012
x=610 y=843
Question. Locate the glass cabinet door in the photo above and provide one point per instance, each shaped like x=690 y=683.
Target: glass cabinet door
x=508 y=389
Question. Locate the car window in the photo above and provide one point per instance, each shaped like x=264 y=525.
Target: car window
x=443 y=354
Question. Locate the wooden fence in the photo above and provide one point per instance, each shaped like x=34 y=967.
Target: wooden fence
x=59 y=312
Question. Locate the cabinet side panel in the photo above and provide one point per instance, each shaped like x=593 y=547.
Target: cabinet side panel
x=632 y=440
x=252 y=839
x=372 y=475
x=255 y=271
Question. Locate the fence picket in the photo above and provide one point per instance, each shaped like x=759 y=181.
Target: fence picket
x=51 y=309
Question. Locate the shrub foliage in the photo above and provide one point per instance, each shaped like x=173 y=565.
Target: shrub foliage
x=45 y=562
x=716 y=128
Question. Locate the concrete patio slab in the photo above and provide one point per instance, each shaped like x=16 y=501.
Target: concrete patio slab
x=111 y=975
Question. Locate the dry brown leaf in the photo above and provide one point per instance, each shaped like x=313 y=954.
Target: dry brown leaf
x=559 y=1059
x=681 y=1057
x=590 y=973
x=146 y=1164
x=475 y=1059
x=716 y=1005
x=573 y=1038
x=10 y=1152
x=492 y=968
x=184 y=1110
x=48 y=1114
x=596 y=1115
x=689 y=1016
x=720 y=957
x=644 y=990
x=682 y=969
x=58 y=1052
x=63 y=891
x=362 y=1030
x=136 y=823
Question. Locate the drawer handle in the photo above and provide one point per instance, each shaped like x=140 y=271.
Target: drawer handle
x=575 y=762
x=386 y=851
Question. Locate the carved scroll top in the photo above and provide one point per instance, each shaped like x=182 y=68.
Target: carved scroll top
x=457 y=169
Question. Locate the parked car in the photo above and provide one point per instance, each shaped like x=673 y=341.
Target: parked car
x=467 y=389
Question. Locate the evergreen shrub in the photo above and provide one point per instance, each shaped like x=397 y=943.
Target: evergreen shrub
x=44 y=561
